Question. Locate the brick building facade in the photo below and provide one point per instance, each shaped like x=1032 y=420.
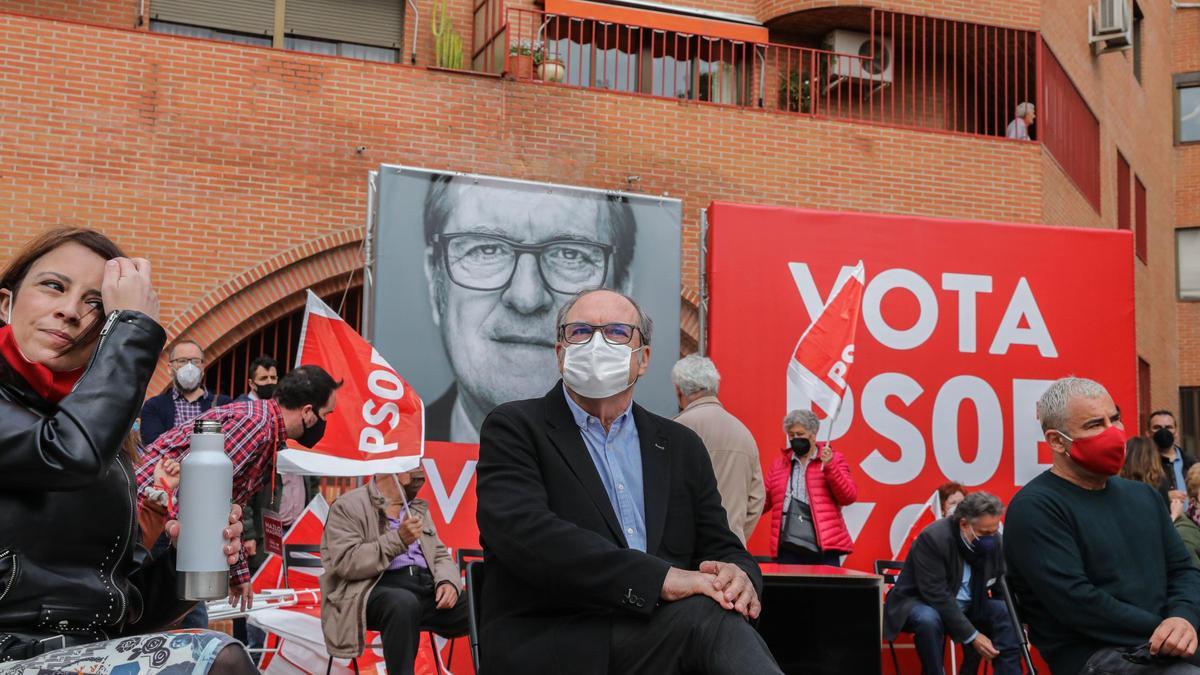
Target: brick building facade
x=239 y=170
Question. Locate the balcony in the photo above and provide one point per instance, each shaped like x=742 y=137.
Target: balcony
x=870 y=66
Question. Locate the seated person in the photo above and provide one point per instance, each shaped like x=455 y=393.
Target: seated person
x=1100 y=574
x=606 y=545
x=943 y=588
x=380 y=550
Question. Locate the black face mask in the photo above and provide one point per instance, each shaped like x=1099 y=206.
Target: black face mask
x=265 y=391
x=1164 y=439
x=312 y=435
x=800 y=446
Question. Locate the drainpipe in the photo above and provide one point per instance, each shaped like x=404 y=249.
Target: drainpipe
x=416 y=29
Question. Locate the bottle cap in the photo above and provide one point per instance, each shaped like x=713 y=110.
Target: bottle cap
x=207 y=427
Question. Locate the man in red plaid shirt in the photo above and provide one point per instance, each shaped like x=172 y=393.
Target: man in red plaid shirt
x=254 y=432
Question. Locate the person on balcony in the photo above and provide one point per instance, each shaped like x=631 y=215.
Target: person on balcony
x=1018 y=129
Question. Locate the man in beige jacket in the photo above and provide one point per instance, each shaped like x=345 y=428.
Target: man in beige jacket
x=386 y=570
x=730 y=445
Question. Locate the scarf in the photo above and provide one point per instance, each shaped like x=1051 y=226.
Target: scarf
x=46 y=383
x=975 y=558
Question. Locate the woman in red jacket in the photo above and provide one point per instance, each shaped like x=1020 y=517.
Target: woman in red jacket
x=806 y=491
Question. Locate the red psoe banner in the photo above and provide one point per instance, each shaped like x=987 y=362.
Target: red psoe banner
x=379 y=423
x=964 y=324
x=816 y=374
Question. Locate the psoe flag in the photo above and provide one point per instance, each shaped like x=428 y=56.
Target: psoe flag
x=816 y=373
x=379 y=423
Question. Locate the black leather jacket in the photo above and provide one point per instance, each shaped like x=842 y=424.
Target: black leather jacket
x=70 y=562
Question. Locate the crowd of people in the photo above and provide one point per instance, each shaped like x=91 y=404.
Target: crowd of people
x=614 y=539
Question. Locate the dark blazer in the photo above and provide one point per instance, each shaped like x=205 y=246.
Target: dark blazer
x=1169 y=480
x=158 y=413
x=932 y=575
x=559 y=570
x=437 y=415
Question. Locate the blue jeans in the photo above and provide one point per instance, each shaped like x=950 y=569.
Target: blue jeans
x=197 y=618
x=925 y=624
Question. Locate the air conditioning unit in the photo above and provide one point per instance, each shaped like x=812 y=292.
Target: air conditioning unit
x=1110 y=26
x=874 y=66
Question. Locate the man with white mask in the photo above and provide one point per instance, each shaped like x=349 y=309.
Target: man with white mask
x=186 y=399
x=607 y=549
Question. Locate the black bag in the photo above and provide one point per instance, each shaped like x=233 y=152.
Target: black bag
x=799 y=530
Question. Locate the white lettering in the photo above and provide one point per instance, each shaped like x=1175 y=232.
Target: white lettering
x=448 y=503
x=1010 y=332
x=1027 y=429
x=967 y=286
x=919 y=332
x=893 y=427
x=990 y=441
x=371 y=440
x=803 y=278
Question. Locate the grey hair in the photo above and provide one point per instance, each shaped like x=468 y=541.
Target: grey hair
x=645 y=324
x=978 y=504
x=1052 y=406
x=1024 y=109
x=805 y=418
x=695 y=374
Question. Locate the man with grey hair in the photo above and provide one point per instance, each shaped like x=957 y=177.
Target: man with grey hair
x=943 y=589
x=1018 y=129
x=1101 y=575
x=606 y=546
x=730 y=444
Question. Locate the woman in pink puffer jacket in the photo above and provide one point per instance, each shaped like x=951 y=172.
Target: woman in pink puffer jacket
x=817 y=479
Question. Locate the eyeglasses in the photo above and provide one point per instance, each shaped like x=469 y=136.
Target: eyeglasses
x=179 y=363
x=614 y=333
x=484 y=262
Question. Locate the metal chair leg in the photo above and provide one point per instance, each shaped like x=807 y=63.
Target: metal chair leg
x=895 y=661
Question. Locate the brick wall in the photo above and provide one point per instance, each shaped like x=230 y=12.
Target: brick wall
x=115 y=13
x=210 y=157
x=1186 y=48
x=1133 y=118
x=1014 y=13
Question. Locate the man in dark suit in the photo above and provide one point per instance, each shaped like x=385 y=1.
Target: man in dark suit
x=943 y=588
x=607 y=549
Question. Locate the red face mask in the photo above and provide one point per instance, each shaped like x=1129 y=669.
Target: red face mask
x=1103 y=453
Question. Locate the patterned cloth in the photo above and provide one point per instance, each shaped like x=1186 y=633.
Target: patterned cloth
x=185 y=410
x=254 y=431
x=173 y=653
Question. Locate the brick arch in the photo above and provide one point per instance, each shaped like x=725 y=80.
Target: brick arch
x=263 y=293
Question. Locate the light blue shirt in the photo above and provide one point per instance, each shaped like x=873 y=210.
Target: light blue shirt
x=964 y=598
x=1177 y=465
x=617 y=455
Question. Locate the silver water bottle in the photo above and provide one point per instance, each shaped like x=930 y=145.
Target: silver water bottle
x=205 y=493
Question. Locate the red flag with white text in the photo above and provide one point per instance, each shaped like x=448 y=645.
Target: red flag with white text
x=816 y=374
x=379 y=423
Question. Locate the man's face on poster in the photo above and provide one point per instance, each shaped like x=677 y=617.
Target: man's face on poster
x=499 y=270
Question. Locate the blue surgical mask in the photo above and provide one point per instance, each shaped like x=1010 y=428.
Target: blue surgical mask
x=984 y=544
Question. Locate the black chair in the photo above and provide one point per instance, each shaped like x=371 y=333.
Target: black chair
x=475 y=580
x=890 y=570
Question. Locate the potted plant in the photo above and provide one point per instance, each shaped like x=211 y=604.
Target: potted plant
x=794 y=93
x=520 y=60
x=549 y=67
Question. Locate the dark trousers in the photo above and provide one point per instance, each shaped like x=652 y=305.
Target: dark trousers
x=795 y=556
x=925 y=624
x=695 y=636
x=1108 y=661
x=400 y=607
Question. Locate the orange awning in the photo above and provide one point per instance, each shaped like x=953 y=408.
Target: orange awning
x=680 y=23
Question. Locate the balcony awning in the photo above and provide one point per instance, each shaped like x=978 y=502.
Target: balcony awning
x=667 y=21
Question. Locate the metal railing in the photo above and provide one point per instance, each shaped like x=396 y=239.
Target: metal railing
x=904 y=70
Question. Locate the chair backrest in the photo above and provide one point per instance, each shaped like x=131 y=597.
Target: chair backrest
x=300 y=555
x=889 y=570
x=463 y=556
x=475 y=580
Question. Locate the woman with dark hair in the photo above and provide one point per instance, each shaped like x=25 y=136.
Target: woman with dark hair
x=1143 y=464
x=79 y=340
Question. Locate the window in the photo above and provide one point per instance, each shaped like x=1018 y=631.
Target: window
x=1124 y=213
x=1189 y=419
x=1143 y=391
x=1137 y=42
x=1139 y=214
x=1187 y=261
x=208 y=33
x=1187 y=108
x=647 y=60
x=347 y=49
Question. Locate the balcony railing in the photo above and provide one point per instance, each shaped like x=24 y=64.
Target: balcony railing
x=907 y=71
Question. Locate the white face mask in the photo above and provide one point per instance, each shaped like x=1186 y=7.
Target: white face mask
x=188 y=377
x=597 y=369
